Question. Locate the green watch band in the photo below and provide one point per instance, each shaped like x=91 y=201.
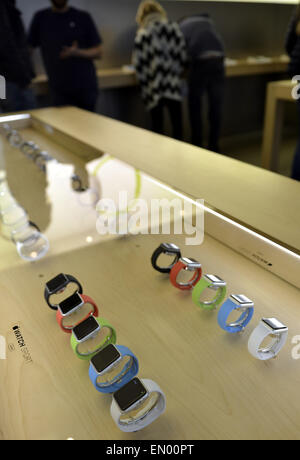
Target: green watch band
x=112 y=338
x=212 y=282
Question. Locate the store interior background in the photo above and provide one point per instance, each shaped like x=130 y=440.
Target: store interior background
x=248 y=29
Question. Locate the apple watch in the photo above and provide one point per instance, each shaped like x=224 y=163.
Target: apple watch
x=272 y=329
x=58 y=285
x=186 y=264
x=6 y=129
x=137 y=404
x=240 y=304
x=30 y=149
x=75 y=309
x=87 y=337
x=22 y=233
x=211 y=282
x=168 y=249
x=14 y=138
x=112 y=367
x=14 y=215
x=41 y=159
x=31 y=244
x=77 y=184
x=34 y=248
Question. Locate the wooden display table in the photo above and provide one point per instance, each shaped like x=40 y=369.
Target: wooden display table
x=215 y=389
x=277 y=94
x=248 y=194
x=120 y=77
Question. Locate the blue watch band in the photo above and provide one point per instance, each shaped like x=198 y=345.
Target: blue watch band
x=127 y=373
x=227 y=308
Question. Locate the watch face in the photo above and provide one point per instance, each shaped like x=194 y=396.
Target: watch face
x=274 y=324
x=70 y=303
x=241 y=300
x=169 y=247
x=57 y=283
x=129 y=394
x=105 y=358
x=191 y=263
x=84 y=329
x=215 y=280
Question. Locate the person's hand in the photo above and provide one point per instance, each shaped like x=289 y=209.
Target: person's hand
x=70 y=51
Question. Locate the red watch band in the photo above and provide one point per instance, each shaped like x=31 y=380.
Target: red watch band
x=193 y=281
x=94 y=311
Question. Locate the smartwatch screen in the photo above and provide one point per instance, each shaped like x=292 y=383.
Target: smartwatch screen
x=57 y=283
x=105 y=358
x=85 y=328
x=70 y=303
x=129 y=394
x=274 y=324
x=169 y=247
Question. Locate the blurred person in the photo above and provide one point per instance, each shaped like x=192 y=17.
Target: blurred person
x=293 y=50
x=159 y=57
x=206 y=75
x=69 y=42
x=15 y=62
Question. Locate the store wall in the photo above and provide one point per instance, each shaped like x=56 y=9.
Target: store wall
x=247 y=29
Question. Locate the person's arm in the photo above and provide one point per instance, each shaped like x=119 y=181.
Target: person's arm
x=291 y=37
x=7 y=44
x=95 y=52
x=33 y=37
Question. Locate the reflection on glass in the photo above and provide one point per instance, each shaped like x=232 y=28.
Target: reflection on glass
x=142 y=410
x=116 y=372
x=13 y=216
x=33 y=248
x=79 y=315
x=6 y=199
x=90 y=346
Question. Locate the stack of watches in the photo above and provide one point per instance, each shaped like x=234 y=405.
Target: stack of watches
x=113 y=368
x=30 y=243
x=41 y=157
x=268 y=329
x=30 y=149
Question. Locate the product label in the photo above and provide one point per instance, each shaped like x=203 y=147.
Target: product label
x=17 y=343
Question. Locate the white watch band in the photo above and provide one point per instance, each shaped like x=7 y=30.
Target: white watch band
x=259 y=335
x=146 y=419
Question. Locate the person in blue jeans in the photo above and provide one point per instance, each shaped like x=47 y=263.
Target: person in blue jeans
x=206 y=76
x=293 y=50
x=15 y=62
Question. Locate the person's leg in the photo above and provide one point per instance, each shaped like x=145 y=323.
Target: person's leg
x=12 y=102
x=157 y=118
x=86 y=99
x=19 y=99
x=29 y=101
x=296 y=161
x=195 y=101
x=60 y=99
x=175 y=110
x=215 y=88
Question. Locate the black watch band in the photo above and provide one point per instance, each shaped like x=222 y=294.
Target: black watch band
x=155 y=257
x=71 y=279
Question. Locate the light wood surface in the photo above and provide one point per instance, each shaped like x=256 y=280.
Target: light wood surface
x=214 y=388
x=120 y=77
x=258 y=198
x=277 y=94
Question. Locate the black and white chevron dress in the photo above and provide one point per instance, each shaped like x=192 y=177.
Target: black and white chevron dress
x=159 y=58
